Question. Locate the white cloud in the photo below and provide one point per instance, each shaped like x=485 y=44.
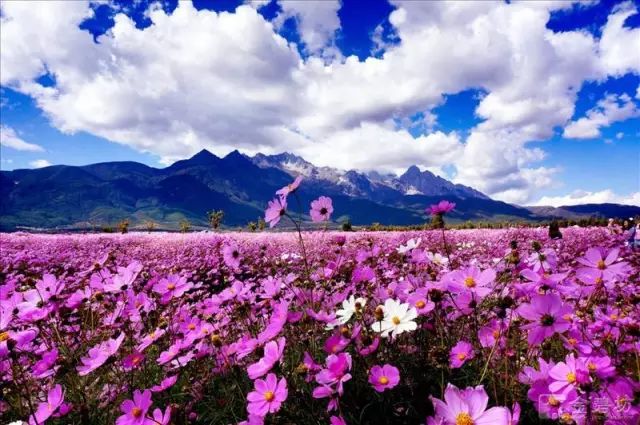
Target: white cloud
x=317 y=23
x=612 y=108
x=39 y=163
x=10 y=139
x=197 y=79
x=585 y=197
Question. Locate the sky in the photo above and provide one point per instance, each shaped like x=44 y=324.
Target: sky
x=533 y=103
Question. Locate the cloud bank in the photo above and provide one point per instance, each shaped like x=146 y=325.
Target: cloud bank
x=223 y=81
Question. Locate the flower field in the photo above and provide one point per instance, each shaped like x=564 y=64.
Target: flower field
x=440 y=327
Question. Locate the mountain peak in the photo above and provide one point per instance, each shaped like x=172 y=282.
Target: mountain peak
x=412 y=171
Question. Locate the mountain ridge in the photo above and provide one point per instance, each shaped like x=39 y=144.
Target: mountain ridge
x=63 y=196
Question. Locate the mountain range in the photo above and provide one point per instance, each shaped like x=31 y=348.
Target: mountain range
x=64 y=197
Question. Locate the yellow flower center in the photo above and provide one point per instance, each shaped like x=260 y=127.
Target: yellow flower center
x=136 y=412
x=553 y=401
x=171 y=286
x=572 y=341
x=614 y=317
x=395 y=320
x=464 y=419
x=602 y=265
x=269 y=396
x=191 y=326
x=571 y=377
x=496 y=333
x=566 y=418
x=462 y=356
x=591 y=366
x=383 y=380
x=4 y=336
x=469 y=282
x=420 y=304
x=599 y=280
x=136 y=360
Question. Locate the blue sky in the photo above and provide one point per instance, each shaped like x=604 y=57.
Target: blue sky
x=548 y=117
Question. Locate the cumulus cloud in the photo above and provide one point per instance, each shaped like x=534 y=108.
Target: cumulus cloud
x=585 y=197
x=317 y=23
x=199 y=79
x=611 y=109
x=39 y=163
x=10 y=139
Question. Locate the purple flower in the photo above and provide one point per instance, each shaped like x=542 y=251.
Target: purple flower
x=335 y=374
x=321 y=209
x=135 y=411
x=268 y=395
x=384 y=377
x=166 y=383
x=471 y=279
x=98 y=355
x=231 y=255
x=460 y=353
x=468 y=407
x=274 y=212
x=55 y=397
x=548 y=316
x=173 y=286
x=441 y=207
x=290 y=188
x=160 y=418
x=272 y=354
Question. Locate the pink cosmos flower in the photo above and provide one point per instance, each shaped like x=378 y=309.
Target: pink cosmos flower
x=135 y=411
x=272 y=354
x=548 y=316
x=173 y=286
x=275 y=210
x=231 y=255
x=601 y=264
x=132 y=361
x=384 y=377
x=321 y=209
x=468 y=407
x=55 y=397
x=290 y=188
x=160 y=418
x=268 y=395
x=471 y=279
x=164 y=384
x=460 y=353
x=337 y=420
x=99 y=354
x=334 y=374
x=441 y=207
x=568 y=374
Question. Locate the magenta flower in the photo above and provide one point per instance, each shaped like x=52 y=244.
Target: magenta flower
x=601 y=265
x=321 y=209
x=471 y=279
x=274 y=212
x=272 y=354
x=268 y=395
x=441 y=207
x=548 y=316
x=290 y=188
x=460 y=353
x=160 y=418
x=334 y=374
x=164 y=384
x=132 y=361
x=98 y=355
x=468 y=407
x=567 y=375
x=135 y=411
x=231 y=255
x=173 y=286
x=55 y=397
x=384 y=377
x=337 y=420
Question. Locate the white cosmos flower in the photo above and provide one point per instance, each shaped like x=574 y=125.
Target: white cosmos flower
x=349 y=307
x=411 y=244
x=437 y=259
x=398 y=318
